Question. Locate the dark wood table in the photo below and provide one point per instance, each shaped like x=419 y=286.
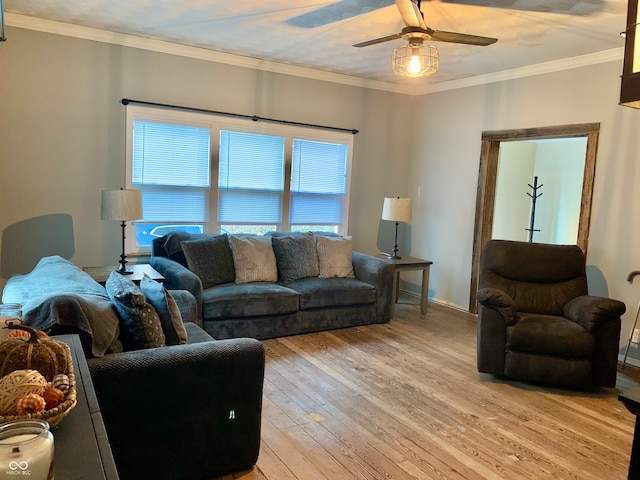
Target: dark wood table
x=631 y=400
x=409 y=263
x=82 y=450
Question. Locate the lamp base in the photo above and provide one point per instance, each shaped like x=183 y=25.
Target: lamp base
x=123 y=270
x=394 y=251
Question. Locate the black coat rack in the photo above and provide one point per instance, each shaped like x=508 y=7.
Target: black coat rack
x=534 y=197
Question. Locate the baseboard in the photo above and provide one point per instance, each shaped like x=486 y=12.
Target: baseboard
x=635 y=362
x=411 y=294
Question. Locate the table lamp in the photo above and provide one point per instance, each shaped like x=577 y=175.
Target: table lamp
x=122 y=205
x=396 y=210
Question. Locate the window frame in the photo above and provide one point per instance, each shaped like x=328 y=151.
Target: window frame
x=216 y=123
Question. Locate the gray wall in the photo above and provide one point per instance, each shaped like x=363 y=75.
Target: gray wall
x=559 y=166
x=445 y=165
x=516 y=166
x=560 y=170
x=62 y=130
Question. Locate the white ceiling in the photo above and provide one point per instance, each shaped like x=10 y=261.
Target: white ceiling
x=277 y=31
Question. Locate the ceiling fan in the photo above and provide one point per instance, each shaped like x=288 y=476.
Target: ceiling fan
x=417 y=59
x=345 y=9
x=416 y=29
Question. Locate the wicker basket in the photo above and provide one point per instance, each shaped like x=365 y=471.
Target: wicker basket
x=54 y=415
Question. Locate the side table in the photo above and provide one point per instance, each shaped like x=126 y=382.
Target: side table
x=409 y=263
x=101 y=274
x=631 y=400
x=81 y=448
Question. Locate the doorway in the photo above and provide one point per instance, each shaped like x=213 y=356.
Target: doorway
x=487 y=182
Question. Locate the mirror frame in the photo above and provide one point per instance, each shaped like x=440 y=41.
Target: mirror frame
x=486 y=192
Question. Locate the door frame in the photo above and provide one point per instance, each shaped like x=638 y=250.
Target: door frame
x=486 y=191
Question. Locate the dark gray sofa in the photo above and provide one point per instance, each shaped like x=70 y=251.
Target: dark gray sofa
x=264 y=310
x=187 y=411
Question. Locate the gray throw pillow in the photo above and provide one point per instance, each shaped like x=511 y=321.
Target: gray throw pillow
x=334 y=257
x=140 y=325
x=173 y=241
x=296 y=256
x=210 y=258
x=253 y=259
x=167 y=309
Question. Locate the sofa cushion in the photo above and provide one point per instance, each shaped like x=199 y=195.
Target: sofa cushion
x=173 y=246
x=253 y=259
x=296 y=256
x=334 y=257
x=551 y=336
x=530 y=367
x=167 y=310
x=210 y=258
x=140 y=325
x=332 y=292
x=257 y=299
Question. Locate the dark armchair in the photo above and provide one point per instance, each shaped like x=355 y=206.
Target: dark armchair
x=536 y=321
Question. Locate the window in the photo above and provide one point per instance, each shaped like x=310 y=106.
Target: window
x=318 y=185
x=203 y=173
x=250 y=181
x=171 y=167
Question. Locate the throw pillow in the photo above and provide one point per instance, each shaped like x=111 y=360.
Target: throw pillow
x=173 y=241
x=210 y=258
x=296 y=256
x=253 y=259
x=139 y=323
x=167 y=310
x=334 y=257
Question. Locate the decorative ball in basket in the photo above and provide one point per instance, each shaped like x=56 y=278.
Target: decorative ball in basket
x=36 y=377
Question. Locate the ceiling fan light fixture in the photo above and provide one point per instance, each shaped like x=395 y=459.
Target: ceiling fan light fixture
x=416 y=59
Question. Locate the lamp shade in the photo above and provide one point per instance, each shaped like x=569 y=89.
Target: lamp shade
x=121 y=205
x=396 y=209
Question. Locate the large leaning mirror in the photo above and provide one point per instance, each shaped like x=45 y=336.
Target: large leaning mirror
x=534 y=185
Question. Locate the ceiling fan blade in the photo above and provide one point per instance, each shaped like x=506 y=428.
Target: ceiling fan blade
x=452 y=37
x=563 y=7
x=337 y=11
x=410 y=13
x=379 y=40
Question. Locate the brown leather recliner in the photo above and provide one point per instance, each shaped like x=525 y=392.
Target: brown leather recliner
x=536 y=321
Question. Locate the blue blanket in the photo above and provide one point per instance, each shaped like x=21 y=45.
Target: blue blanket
x=56 y=292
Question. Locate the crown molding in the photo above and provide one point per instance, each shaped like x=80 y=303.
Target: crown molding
x=132 y=41
x=604 y=56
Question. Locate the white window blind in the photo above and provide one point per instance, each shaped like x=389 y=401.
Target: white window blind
x=251 y=178
x=268 y=177
x=318 y=183
x=171 y=166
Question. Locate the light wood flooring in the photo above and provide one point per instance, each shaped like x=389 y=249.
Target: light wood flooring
x=404 y=400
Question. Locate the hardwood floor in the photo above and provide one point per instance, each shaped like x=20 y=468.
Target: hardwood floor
x=404 y=401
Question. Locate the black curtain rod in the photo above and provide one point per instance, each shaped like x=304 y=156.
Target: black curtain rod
x=255 y=118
